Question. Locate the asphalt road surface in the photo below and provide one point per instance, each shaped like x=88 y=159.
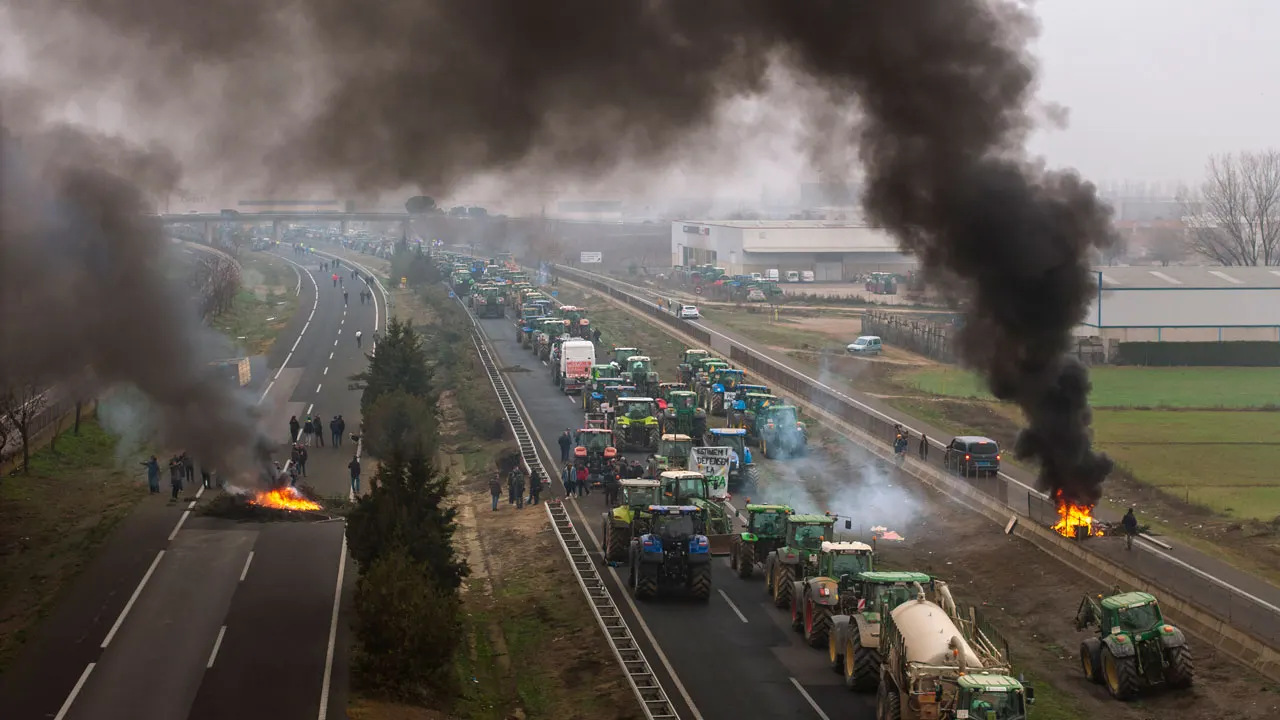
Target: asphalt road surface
x=733 y=657
x=185 y=616
x=1251 y=603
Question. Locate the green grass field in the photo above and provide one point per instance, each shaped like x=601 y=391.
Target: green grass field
x=1133 y=387
x=1225 y=461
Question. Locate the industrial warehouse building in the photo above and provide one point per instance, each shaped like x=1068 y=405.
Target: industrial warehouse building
x=834 y=251
x=1185 y=304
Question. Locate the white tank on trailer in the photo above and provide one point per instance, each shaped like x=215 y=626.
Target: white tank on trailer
x=930 y=637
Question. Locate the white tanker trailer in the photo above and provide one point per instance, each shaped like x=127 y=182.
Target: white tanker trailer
x=941 y=665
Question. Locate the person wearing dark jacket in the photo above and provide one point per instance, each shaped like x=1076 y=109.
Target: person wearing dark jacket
x=569 y=478
x=307 y=429
x=153 y=474
x=188 y=467
x=294 y=428
x=535 y=487
x=175 y=475
x=495 y=490
x=1130 y=523
x=566 y=446
x=924 y=446
x=511 y=487
x=318 y=423
x=342 y=429
x=354 y=467
x=335 y=433
x=519 y=480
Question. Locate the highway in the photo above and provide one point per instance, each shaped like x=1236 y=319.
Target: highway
x=1250 y=603
x=733 y=657
x=188 y=616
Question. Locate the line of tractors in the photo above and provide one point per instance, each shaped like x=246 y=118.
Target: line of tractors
x=897 y=633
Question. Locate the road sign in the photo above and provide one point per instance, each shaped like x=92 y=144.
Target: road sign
x=590 y=257
x=697 y=290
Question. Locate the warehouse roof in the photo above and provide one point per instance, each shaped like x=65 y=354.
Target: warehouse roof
x=1185 y=277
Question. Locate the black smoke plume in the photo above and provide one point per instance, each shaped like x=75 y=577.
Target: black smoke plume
x=429 y=94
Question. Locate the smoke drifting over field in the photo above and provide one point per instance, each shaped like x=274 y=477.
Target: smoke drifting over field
x=933 y=97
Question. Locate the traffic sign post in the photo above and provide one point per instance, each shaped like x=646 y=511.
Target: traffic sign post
x=590 y=257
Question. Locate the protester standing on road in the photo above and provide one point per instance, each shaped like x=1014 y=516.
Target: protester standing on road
x=519 y=490
x=188 y=467
x=354 y=467
x=566 y=444
x=294 y=428
x=924 y=446
x=153 y=474
x=535 y=486
x=342 y=429
x=175 y=475
x=307 y=429
x=344 y=298
x=495 y=490
x=583 y=482
x=205 y=476
x=595 y=335
x=334 y=433
x=569 y=479
x=358 y=336
x=1130 y=523
x=335 y=279
x=317 y=424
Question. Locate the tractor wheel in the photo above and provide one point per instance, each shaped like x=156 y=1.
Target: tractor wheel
x=835 y=651
x=817 y=625
x=798 y=608
x=765 y=450
x=1121 y=674
x=700 y=582
x=768 y=574
x=646 y=581
x=1091 y=660
x=750 y=479
x=861 y=663
x=717 y=404
x=746 y=559
x=733 y=553
x=615 y=545
x=888 y=703
x=784 y=575
x=1181 y=671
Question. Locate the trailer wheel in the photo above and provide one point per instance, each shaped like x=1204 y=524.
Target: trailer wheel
x=1091 y=660
x=1182 y=670
x=746 y=559
x=861 y=663
x=888 y=703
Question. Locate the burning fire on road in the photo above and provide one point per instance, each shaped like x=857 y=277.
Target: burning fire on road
x=1076 y=521
x=285 y=498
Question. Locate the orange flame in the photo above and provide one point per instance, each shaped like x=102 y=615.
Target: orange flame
x=287 y=498
x=1072 y=516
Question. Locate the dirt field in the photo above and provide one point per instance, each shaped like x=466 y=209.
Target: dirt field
x=1031 y=597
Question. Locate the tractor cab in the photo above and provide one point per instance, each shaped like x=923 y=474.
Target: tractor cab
x=752 y=405
x=663 y=395
x=683 y=486
x=992 y=696
x=639 y=493
x=597 y=392
x=613 y=393
x=744 y=389
x=689 y=360
x=640 y=369
x=576 y=317
x=808 y=532
x=682 y=415
x=780 y=431
x=594 y=449
x=635 y=422
x=675 y=448
x=838 y=560
x=767 y=520
x=601 y=371
x=882 y=591
x=620 y=355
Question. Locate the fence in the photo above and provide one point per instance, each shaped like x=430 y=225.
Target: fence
x=43 y=426
x=920 y=336
x=595 y=282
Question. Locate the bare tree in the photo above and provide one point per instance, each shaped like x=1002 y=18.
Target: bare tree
x=21 y=402
x=1166 y=245
x=1235 y=218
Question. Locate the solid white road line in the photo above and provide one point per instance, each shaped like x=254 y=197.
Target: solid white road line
x=733 y=607
x=247 y=561
x=66 y=705
x=216 y=644
x=132 y=599
x=333 y=634
x=809 y=698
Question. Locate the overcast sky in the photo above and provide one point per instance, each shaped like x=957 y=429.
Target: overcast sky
x=1155 y=86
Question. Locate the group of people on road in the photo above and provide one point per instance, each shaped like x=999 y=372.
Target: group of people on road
x=182 y=469
x=310 y=431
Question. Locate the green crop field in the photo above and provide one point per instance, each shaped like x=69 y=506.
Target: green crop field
x=1136 y=387
x=1223 y=460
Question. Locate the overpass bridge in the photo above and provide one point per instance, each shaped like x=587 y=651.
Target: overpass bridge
x=276 y=218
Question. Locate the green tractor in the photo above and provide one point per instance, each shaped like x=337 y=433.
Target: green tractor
x=631 y=517
x=766 y=527
x=601 y=371
x=461 y=282
x=682 y=415
x=734 y=412
x=853 y=647
x=691 y=488
x=815 y=599
x=491 y=302
x=620 y=355
x=689 y=362
x=675 y=552
x=578 y=324
x=672 y=454
x=804 y=537
x=635 y=423
x=594 y=394
x=548 y=328
x=529 y=317
x=1135 y=645
x=744 y=477
x=753 y=404
x=640 y=369
x=721 y=389
x=702 y=378
x=781 y=433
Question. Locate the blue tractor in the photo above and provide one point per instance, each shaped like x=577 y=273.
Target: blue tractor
x=675 y=553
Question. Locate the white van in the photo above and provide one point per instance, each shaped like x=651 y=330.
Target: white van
x=865 y=345
x=576 y=359
x=771 y=275
x=806 y=276
x=793 y=276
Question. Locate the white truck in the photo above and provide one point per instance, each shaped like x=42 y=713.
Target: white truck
x=713 y=463
x=576 y=359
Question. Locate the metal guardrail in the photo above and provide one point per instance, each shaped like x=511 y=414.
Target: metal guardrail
x=628 y=653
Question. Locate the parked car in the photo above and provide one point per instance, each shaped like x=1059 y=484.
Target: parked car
x=865 y=345
x=689 y=312
x=971 y=455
